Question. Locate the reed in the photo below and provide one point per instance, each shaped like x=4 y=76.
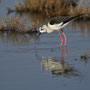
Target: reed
x=82 y=7
x=52 y=8
x=15 y=24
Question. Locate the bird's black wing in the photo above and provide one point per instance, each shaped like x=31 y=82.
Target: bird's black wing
x=66 y=19
x=58 y=20
x=72 y=18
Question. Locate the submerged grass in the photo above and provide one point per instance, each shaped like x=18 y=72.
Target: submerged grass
x=17 y=38
x=52 y=8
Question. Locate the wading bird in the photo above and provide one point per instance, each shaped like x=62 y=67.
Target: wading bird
x=58 y=24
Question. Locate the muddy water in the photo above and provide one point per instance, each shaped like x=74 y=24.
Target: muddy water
x=28 y=62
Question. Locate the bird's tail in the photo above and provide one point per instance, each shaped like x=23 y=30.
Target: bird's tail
x=72 y=18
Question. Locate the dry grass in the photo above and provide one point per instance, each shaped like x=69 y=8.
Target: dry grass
x=14 y=24
x=49 y=7
x=16 y=31
x=55 y=7
x=81 y=8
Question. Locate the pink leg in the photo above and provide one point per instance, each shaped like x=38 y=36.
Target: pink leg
x=61 y=57
x=61 y=38
x=64 y=37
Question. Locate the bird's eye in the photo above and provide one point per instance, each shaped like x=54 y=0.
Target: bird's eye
x=41 y=29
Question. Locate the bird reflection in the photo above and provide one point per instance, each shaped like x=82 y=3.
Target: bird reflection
x=57 y=67
x=62 y=57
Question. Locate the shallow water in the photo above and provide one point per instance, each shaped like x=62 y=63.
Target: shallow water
x=28 y=62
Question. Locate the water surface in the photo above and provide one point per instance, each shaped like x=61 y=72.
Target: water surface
x=28 y=62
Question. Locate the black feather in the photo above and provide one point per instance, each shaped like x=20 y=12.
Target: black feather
x=72 y=18
x=58 y=20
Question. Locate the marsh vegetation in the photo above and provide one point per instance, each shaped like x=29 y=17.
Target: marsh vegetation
x=52 y=8
x=15 y=24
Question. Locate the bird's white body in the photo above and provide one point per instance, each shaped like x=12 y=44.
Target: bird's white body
x=51 y=28
x=55 y=27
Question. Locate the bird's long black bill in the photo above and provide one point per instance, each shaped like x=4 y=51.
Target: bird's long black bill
x=38 y=33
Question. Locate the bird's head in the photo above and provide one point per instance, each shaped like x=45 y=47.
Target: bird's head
x=43 y=29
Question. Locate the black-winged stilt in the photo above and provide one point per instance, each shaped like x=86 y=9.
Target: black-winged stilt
x=58 y=23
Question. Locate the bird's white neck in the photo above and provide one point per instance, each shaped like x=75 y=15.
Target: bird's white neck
x=49 y=29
